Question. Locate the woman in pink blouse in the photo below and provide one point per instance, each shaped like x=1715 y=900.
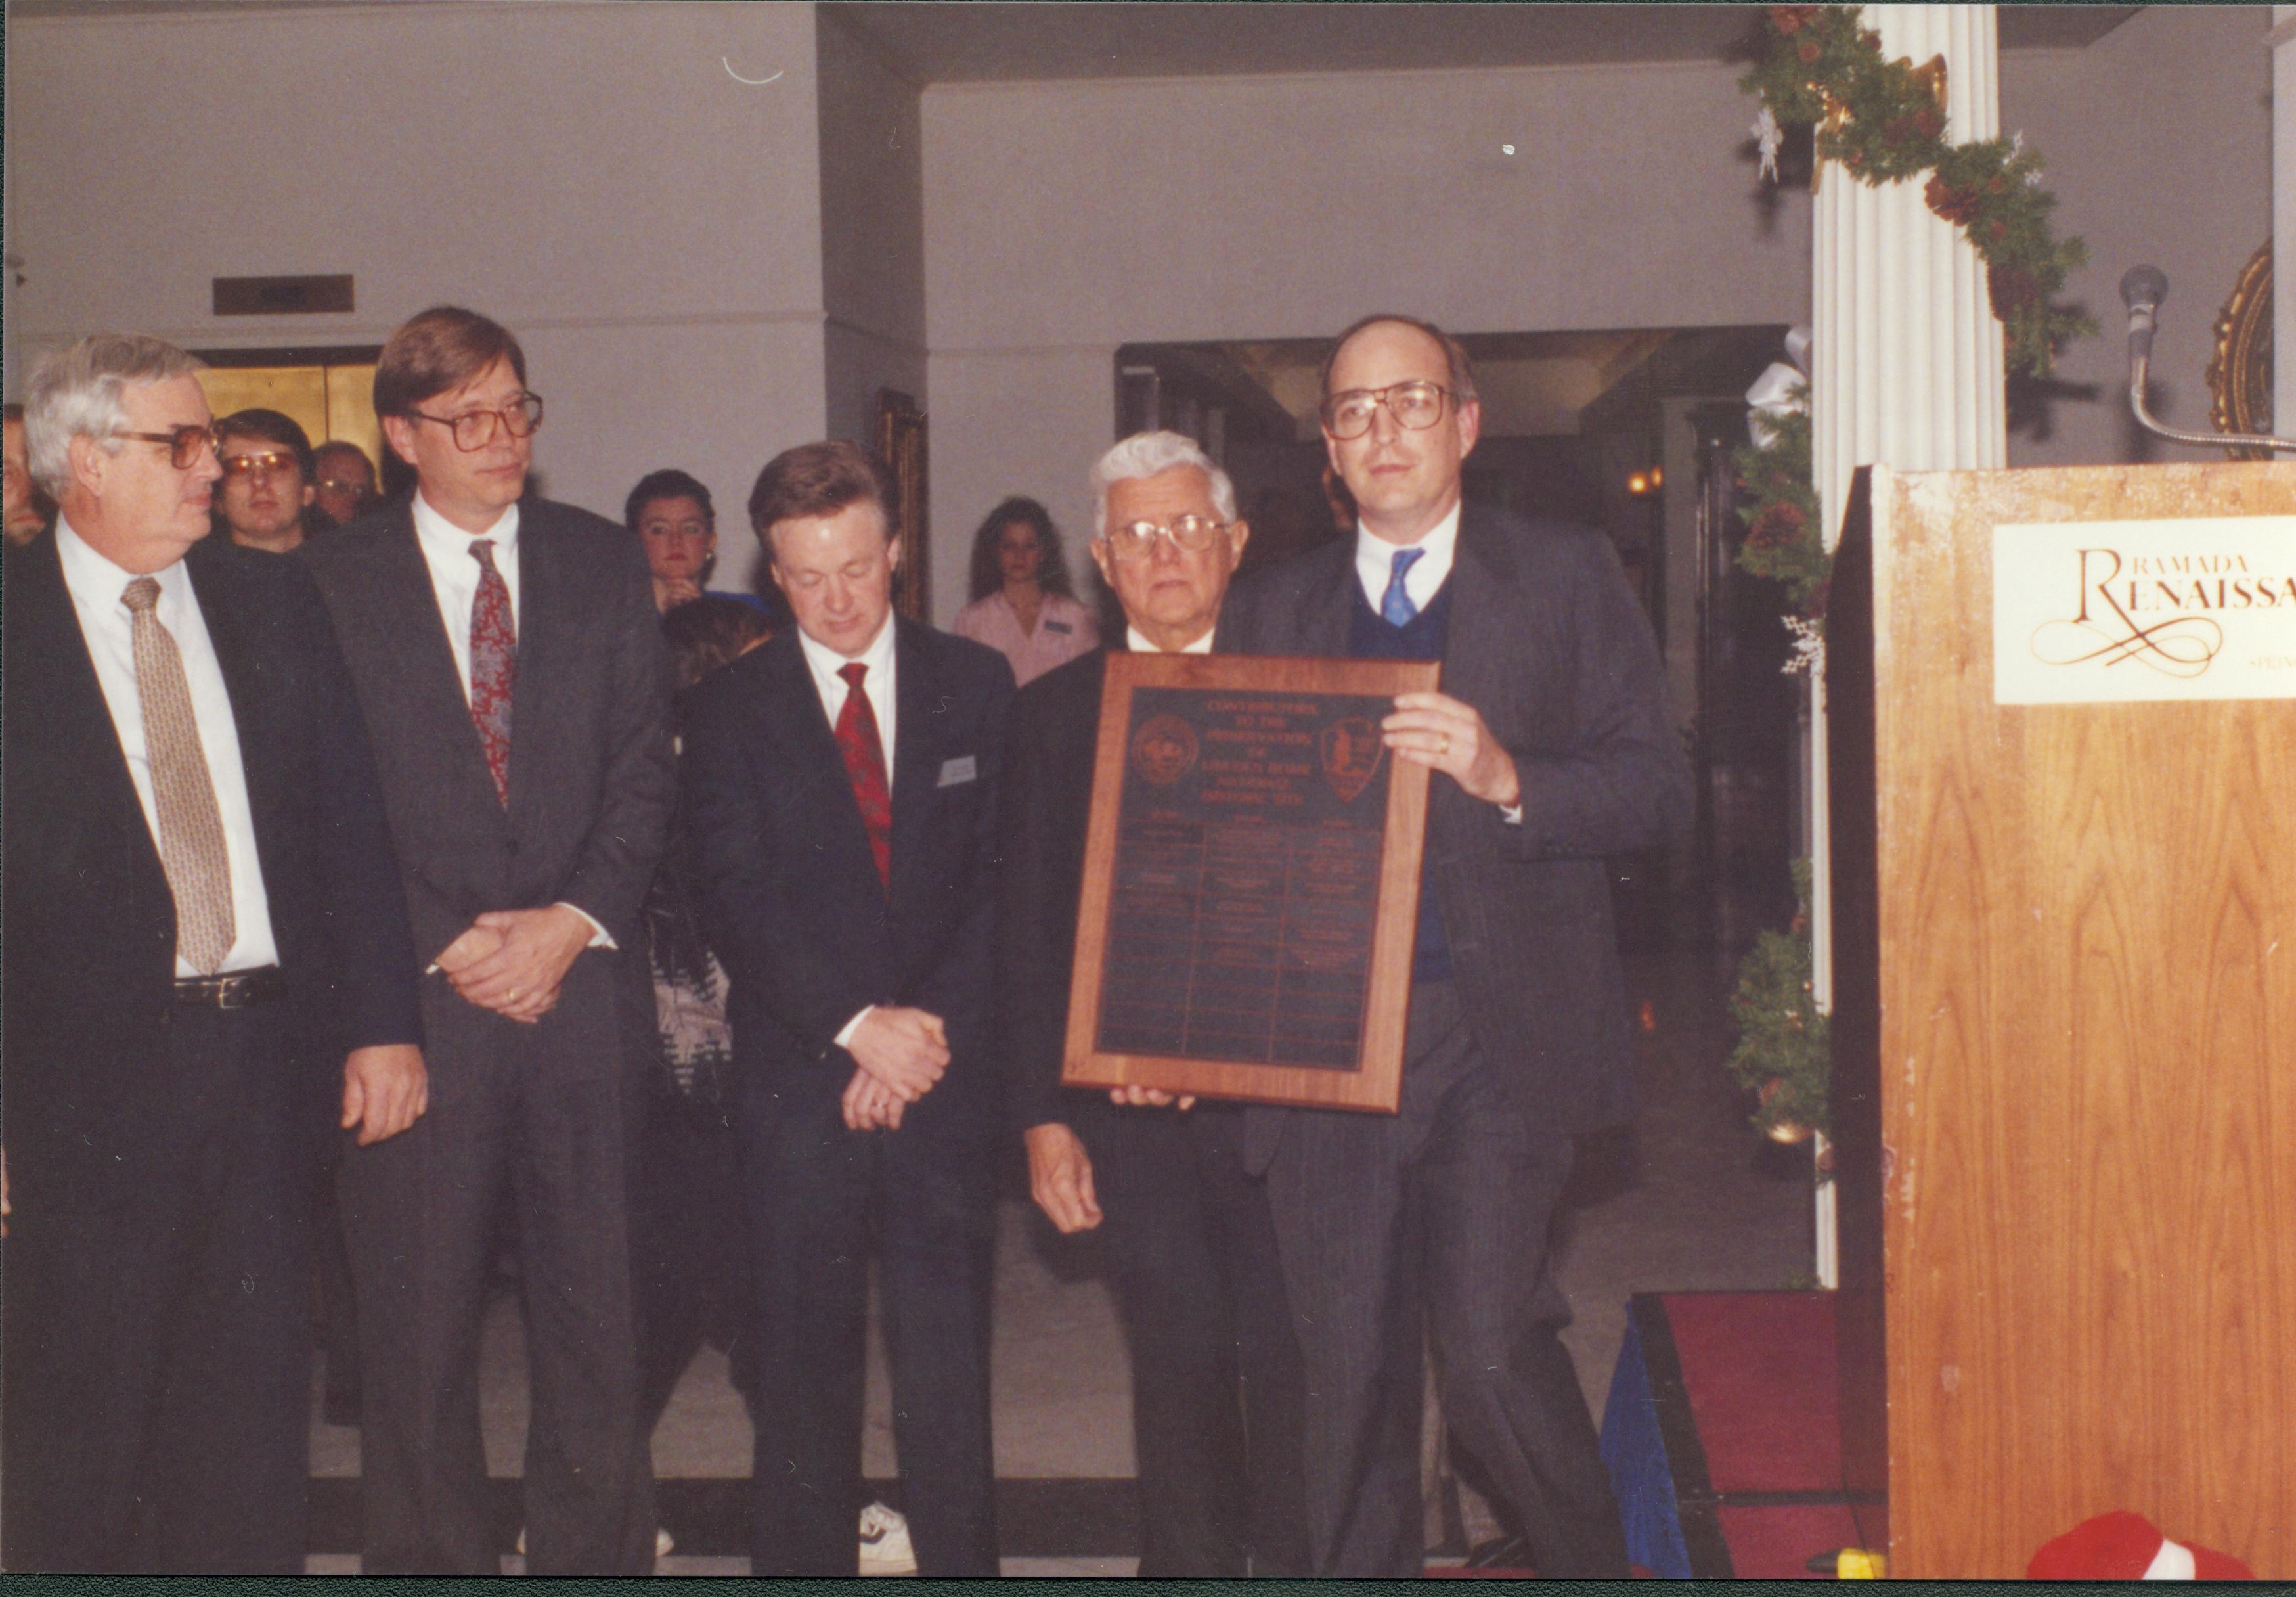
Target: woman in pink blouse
x=1022 y=606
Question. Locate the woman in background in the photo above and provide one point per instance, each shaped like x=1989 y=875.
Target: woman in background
x=1022 y=606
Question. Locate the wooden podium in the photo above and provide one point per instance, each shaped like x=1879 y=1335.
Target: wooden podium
x=2064 y=1023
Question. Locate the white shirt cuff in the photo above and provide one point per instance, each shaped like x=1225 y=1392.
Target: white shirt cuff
x=1511 y=814
x=599 y=937
x=845 y=1036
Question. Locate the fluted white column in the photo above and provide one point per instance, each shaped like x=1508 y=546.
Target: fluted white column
x=2283 y=219
x=1906 y=364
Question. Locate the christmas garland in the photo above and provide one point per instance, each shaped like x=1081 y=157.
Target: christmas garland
x=1784 y=1054
x=1784 y=537
x=1882 y=121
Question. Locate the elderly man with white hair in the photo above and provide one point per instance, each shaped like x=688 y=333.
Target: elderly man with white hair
x=205 y=933
x=1217 y=1396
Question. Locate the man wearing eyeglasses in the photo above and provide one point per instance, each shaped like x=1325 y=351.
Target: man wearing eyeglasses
x=1551 y=747
x=266 y=479
x=510 y=666
x=1216 y=1383
x=204 y=925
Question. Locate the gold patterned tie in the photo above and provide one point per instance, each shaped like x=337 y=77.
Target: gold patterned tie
x=190 y=825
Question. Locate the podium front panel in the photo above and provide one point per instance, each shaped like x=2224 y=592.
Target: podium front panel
x=2065 y=1023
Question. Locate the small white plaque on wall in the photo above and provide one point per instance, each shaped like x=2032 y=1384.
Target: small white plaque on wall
x=2092 y=613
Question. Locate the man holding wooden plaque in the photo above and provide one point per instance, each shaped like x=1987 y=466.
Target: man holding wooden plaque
x=1215 y=1390
x=1550 y=747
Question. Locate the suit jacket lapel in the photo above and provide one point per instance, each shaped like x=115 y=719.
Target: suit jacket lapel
x=794 y=708
x=230 y=622
x=916 y=756
x=540 y=627
x=1481 y=581
x=44 y=626
x=432 y=685
x=1330 y=599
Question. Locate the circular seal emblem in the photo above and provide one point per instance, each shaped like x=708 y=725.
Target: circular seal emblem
x=1164 y=750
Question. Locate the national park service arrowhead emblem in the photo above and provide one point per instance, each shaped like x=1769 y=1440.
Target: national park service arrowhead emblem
x=1352 y=751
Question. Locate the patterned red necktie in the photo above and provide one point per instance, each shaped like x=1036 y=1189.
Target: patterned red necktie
x=493 y=660
x=864 y=749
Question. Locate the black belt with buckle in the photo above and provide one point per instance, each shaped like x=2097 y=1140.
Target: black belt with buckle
x=237 y=990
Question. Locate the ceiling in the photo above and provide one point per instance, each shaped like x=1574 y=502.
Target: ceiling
x=937 y=41
x=993 y=40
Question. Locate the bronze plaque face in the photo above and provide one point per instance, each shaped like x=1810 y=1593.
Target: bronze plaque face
x=1250 y=881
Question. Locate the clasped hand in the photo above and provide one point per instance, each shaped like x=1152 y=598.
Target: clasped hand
x=511 y=961
x=902 y=1053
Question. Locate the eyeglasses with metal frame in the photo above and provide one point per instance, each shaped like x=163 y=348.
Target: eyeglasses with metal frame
x=184 y=443
x=270 y=463
x=1417 y=405
x=474 y=430
x=1135 y=540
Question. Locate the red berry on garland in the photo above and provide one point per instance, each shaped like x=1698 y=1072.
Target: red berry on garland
x=1996 y=184
x=1785 y=18
x=1808 y=50
x=1996 y=230
x=1928 y=123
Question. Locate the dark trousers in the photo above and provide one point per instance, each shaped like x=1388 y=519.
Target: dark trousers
x=1216 y=1388
x=817 y=1192
x=421 y=1212
x=689 y=1247
x=157 y=1369
x=1435 y=1221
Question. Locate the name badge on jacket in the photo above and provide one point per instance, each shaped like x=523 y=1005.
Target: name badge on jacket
x=959 y=770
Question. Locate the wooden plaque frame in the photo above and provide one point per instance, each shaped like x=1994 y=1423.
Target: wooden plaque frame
x=1375 y=1081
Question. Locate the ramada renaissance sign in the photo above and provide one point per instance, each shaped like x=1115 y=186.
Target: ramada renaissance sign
x=2114 y=611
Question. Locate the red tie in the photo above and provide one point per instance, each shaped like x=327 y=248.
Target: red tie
x=864 y=761
x=494 y=655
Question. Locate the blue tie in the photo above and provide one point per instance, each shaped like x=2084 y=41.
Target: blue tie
x=1396 y=608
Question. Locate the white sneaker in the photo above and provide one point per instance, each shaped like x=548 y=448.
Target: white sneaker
x=885 y=1547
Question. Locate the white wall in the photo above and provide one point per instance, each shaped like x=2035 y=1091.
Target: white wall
x=873 y=250
x=592 y=175
x=2159 y=140
x=1062 y=220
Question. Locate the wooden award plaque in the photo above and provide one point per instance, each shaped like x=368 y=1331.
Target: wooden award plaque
x=1250 y=881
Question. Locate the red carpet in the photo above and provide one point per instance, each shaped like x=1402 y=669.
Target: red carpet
x=1721 y=1435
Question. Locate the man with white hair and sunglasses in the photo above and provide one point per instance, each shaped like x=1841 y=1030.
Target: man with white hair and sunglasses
x=1215 y=1393
x=204 y=928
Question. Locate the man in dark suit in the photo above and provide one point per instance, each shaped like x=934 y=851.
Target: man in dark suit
x=204 y=922
x=839 y=784
x=1215 y=1390
x=1552 y=747
x=510 y=663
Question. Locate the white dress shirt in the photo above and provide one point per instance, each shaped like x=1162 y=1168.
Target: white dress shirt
x=824 y=662
x=454 y=574
x=455 y=580
x=96 y=585
x=1422 y=580
x=1376 y=563
x=1141 y=646
x=877 y=685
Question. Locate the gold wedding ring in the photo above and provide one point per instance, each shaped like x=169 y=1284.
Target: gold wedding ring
x=1445 y=749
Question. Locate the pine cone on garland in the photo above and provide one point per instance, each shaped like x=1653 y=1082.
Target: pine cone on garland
x=1954 y=205
x=1777 y=526
x=2012 y=288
